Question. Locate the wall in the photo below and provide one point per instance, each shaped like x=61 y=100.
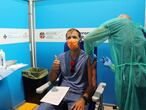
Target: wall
x=82 y=14
x=14 y=15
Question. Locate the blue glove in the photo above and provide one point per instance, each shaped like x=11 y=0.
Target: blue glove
x=107 y=61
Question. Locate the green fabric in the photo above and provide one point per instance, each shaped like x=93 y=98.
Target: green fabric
x=112 y=67
x=128 y=51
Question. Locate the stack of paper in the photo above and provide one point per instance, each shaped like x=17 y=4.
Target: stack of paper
x=4 y=72
x=16 y=66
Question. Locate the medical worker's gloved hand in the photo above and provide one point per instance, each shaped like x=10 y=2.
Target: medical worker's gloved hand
x=107 y=61
x=56 y=64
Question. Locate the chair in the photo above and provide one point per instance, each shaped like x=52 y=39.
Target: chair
x=97 y=98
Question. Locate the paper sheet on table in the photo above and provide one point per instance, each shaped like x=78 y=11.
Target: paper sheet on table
x=4 y=72
x=17 y=66
x=55 y=95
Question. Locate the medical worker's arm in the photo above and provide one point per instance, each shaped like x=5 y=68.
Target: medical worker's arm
x=89 y=91
x=54 y=70
x=94 y=38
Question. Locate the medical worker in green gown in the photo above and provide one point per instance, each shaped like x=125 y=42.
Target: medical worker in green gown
x=128 y=51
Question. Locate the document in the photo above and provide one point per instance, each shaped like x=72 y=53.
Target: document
x=4 y=72
x=17 y=66
x=55 y=95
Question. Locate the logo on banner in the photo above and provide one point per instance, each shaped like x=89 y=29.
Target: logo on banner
x=42 y=35
x=5 y=36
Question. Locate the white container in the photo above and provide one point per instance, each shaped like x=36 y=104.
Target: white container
x=2 y=59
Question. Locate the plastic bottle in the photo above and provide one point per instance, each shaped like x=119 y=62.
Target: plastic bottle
x=2 y=59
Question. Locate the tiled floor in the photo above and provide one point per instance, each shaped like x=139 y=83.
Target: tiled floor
x=27 y=106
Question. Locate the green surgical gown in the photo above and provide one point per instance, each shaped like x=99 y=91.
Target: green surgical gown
x=128 y=51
